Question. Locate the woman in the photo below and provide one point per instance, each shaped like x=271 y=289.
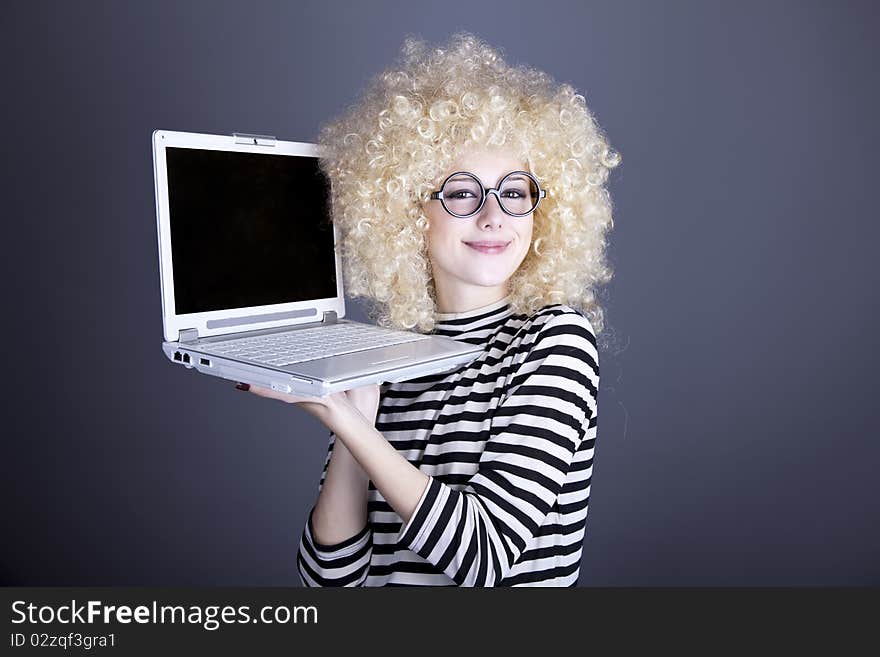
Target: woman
x=469 y=199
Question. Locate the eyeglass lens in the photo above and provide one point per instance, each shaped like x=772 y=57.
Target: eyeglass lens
x=463 y=193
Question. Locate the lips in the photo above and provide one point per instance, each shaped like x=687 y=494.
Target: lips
x=488 y=247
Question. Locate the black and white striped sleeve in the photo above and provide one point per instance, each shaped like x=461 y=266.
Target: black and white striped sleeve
x=476 y=535
x=342 y=564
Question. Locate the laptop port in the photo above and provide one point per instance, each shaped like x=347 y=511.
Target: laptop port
x=186 y=358
x=204 y=361
x=177 y=356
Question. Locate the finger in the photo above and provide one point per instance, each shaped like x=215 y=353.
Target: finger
x=269 y=393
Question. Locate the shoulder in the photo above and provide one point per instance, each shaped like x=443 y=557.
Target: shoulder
x=563 y=322
x=556 y=334
x=557 y=352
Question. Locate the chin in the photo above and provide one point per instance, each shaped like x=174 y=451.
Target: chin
x=489 y=280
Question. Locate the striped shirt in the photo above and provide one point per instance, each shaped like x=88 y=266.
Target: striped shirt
x=507 y=441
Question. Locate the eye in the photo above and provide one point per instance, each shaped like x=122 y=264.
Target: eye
x=460 y=193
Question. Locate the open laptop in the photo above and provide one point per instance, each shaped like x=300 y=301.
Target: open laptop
x=252 y=287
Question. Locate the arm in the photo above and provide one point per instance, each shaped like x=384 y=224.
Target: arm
x=335 y=547
x=476 y=535
x=341 y=509
x=337 y=554
x=347 y=563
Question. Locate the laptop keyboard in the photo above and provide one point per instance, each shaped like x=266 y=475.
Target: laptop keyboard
x=309 y=344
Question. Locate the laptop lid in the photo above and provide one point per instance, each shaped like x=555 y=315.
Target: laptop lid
x=245 y=237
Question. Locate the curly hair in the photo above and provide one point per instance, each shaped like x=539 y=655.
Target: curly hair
x=388 y=151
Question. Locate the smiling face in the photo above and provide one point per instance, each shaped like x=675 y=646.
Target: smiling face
x=473 y=258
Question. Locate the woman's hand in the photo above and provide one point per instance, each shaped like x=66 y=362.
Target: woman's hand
x=365 y=399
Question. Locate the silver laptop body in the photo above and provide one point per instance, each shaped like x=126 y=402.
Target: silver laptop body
x=248 y=261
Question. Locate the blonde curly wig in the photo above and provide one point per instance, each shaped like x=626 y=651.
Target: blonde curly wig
x=387 y=152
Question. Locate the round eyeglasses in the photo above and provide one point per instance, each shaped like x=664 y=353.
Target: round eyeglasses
x=463 y=195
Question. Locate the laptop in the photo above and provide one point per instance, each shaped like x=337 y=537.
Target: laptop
x=251 y=277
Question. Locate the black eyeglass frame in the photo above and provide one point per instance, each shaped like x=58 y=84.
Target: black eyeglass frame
x=438 y=195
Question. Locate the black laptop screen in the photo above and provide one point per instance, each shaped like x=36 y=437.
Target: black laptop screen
x=248 y=229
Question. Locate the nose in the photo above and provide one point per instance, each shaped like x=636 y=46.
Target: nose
x=491 y=215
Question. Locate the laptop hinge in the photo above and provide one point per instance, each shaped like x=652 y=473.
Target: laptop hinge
x=329 y=317
x=188 y=335
x=254 y=140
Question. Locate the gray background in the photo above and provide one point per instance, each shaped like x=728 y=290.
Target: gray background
x=738 y=427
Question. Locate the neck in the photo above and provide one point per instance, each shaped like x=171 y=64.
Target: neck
x=465 y=299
